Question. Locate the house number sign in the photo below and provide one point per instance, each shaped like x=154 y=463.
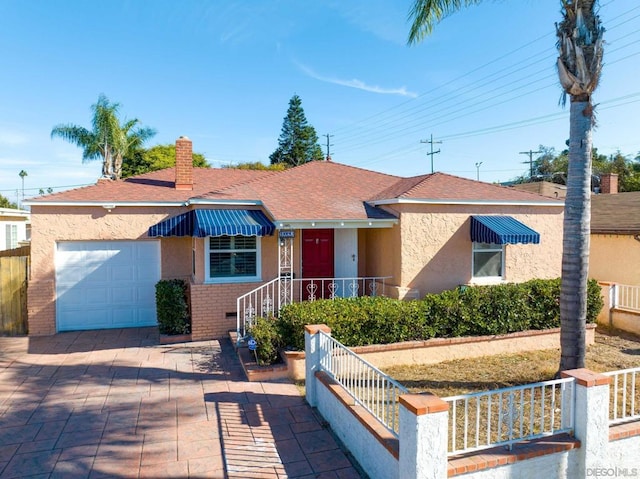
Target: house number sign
x=286 y=233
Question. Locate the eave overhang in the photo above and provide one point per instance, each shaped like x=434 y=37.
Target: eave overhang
x=428 y=201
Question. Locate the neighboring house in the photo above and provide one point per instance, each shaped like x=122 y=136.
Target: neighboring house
x=15 y=228
x=544 y=188
x=614 y=253
x=98 y=251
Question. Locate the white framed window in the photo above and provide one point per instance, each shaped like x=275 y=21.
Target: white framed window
x=232 y=259
x=11 y=236
x=487 y=262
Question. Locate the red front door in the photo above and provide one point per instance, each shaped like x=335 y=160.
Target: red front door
x=317 y=262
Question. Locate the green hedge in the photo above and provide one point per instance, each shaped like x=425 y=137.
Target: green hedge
x=172 y=307
x=465 y=311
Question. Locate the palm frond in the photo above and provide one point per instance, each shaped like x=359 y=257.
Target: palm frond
x=426 y=14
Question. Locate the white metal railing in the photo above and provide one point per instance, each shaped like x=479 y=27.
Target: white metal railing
x=310 y=289
x=268 y=299
x=506 y=416
x=624 y=395
x=262 y=301
x=626 y=297
x=370 y=387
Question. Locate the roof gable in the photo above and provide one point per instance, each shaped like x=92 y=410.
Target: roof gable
x=443 y=187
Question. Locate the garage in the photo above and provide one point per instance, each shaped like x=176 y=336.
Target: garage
x=106 y=284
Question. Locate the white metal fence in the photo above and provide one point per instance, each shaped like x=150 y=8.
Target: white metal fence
x=370 y=387
x=268 y=298
x=624 y=402
x=506 y=416
x=626 y=297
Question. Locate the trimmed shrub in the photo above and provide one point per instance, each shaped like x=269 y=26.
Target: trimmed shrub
x=269 y=342
x=172 y=307
x=468 y=311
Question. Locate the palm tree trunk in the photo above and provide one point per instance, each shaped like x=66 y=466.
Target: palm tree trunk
x=575 y=244
x=117 y=167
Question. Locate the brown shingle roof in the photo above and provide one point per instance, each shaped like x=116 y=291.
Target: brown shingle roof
x=157 y=186
x=316 y=190
x=618 y=213
x=319 y=190
x=441 y=186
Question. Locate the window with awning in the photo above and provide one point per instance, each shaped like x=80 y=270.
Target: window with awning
x=501 y=230
x=215 y=222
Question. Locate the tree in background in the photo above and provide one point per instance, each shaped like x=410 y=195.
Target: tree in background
x=580 y=38
x=107 y=140
x=5 y=203
x=298 y=142
x=257 y=165
x=553 y=167
x=156 y=158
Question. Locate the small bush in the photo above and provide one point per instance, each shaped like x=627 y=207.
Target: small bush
x=269 y=342
x=172 y=308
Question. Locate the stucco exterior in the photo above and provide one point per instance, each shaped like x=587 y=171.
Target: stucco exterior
x=210 y=303
x=431 y=251
x=614 y=258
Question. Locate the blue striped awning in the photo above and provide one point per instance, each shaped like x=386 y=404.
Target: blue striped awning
x=201 y=223
x=501 y=230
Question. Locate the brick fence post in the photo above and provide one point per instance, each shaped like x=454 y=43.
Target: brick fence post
x=591 y=424
x=423 y=437
x=312 y=359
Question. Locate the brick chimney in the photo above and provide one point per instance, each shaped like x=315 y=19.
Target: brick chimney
x=609 y=183
x=184 y=164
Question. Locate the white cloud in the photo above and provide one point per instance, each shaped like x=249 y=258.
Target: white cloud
x=358 y=84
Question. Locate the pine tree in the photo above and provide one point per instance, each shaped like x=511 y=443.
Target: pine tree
x=298 y=142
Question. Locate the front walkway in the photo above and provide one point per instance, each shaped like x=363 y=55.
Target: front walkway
x=116 y=404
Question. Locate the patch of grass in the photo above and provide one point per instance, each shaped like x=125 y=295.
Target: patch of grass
x=451 y=378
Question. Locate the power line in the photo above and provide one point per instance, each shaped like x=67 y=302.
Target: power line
x=397 y=119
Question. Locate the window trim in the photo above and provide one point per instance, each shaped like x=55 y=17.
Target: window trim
x=231 y=279
x=11 y=236
x=488 y=279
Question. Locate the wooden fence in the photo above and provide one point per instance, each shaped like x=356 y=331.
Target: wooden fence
x=14 y=273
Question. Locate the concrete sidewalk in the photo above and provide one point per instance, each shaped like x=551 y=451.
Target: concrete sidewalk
x=116 y=404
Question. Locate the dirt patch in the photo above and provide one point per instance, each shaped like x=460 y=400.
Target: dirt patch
x=450 y=378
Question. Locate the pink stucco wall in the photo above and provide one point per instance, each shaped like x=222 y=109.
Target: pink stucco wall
x=431 y=250
x=50 y=224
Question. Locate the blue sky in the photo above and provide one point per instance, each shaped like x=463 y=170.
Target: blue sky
x=223 y=72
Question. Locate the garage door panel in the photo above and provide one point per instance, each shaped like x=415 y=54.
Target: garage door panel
x=147 y=316
x=105 y=284
x=123 y=273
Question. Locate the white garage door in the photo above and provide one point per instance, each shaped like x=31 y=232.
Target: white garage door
x=106 y=284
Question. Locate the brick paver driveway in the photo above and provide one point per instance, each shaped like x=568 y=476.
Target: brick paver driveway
x=116 y=404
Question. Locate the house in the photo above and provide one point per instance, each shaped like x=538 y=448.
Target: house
x=98 y=251
x=614 y=252
x=544 y=188
x=15 y=228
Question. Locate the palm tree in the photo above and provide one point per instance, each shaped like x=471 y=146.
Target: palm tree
x=108 y=139
x=579 y=65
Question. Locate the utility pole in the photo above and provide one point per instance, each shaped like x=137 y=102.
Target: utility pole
x=328 y=146
x=530 y=153
x=22 y=174
x=431 y=142
x=478 y=170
